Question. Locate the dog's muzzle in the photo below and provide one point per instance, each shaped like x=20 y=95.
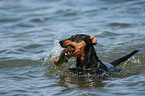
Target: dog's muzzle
x=68 y=51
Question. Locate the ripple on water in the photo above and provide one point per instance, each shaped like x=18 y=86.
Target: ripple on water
x=17 y=63
x=107 y=34
x=27 y=28
x=120 y=25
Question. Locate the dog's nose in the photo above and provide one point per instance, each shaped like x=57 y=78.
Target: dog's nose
x=61 y=42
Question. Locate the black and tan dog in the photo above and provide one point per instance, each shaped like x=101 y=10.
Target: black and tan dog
x=81 y=46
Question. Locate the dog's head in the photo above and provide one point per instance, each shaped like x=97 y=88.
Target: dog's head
x=80 y=43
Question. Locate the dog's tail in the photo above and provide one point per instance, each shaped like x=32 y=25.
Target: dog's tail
x=118 y=61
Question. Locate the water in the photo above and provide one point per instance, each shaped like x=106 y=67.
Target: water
x=30 y=31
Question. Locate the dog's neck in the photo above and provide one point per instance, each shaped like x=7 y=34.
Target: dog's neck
x=90 y=58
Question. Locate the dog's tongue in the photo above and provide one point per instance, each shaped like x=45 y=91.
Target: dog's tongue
x=65 y=55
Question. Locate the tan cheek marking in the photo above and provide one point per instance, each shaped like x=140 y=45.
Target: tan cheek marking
x=79 y=49
x=82 y=58
x=83 y=50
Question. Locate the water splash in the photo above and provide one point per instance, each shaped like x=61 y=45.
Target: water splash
x=54 y=53
x=130 y=67
x=135 y=60
x=52 y=69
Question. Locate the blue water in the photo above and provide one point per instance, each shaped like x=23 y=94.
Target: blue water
x=31 y=29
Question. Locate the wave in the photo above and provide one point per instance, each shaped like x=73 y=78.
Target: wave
x=18 y=63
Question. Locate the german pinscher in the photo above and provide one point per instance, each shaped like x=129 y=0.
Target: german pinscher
x=81 y=46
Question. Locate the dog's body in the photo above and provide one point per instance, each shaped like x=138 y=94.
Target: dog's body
x=81 y=47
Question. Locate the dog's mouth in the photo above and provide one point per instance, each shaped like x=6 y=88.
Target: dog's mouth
x=68 y=51
x=65 y=55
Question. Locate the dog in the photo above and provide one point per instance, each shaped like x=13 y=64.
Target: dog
x=81 y=46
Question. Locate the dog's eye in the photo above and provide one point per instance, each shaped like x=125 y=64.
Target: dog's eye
x=77 y=40
x=74 y=40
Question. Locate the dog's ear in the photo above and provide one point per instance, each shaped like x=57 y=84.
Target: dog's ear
x=93 y=39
